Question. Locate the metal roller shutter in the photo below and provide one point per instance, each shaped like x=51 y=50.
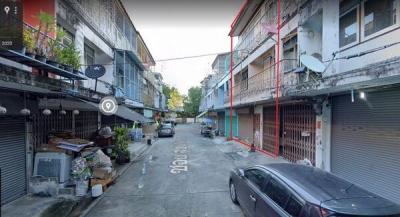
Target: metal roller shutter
x=245 y=126
x=12 y=158
x=221 y=122
x=366 y=141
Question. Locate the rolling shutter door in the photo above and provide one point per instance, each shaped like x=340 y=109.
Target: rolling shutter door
x=12 y=158
x=221 y=123
x=366 y=141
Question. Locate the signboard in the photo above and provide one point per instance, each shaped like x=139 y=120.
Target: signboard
x=11 y=24
x=95 y=71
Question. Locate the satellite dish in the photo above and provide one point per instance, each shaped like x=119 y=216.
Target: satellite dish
x=312 y=63
x=95 y=71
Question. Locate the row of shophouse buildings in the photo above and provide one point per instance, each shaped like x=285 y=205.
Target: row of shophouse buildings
x=103 y=33
x=344 y=116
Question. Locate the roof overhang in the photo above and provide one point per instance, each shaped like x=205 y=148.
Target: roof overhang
x=71 y=103
x=246 y=12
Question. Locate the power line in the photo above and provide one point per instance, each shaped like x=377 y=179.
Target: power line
x=190 y=57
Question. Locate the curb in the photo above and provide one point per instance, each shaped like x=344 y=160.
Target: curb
x=122 y=171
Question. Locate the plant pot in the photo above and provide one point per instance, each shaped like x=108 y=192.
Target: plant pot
x=29 y=54
x=53 y=63
x=122 y=159
x=23 y=51
x=68 y=68
x=40 y=58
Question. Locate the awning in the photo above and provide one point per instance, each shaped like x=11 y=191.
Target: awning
x=83 y=105
x=129 y=114
x=25 y=88
x=201 y=114
x=68 y=104
x=126 y=113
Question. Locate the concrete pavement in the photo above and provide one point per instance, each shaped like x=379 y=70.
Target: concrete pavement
x=151 y=188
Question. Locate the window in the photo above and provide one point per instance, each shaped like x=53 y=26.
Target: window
x=257 y=177
x=378 y=15
x=68 y=38
x=89 y=55
x=294 y=207
x=120 y=78
x=244 y=81
x=290 y=54
x=277 y=193
x=348 y=25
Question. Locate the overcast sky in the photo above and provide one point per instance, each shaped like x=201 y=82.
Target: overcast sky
x=176 y=28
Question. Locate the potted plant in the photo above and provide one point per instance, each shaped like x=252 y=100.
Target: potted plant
x=121 y=141
x=55 y=48
x=29 y=44
x=70 y=58
x=46 y=22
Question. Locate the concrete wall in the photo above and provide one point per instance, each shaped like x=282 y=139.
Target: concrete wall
x=103 y=55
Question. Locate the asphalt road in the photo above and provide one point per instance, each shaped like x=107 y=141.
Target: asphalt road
x=165 y=184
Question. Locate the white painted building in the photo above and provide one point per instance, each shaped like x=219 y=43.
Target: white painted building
x=343 y=120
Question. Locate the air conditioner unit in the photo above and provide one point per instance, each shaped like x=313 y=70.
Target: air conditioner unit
x=52 y=164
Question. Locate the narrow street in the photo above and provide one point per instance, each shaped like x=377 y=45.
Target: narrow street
x=200 y=191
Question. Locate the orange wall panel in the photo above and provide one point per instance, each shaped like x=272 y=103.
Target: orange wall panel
x=32 y=9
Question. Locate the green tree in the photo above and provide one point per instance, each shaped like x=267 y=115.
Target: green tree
x=174 y=98
x=192 y=102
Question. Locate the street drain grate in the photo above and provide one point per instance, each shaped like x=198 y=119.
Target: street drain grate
x=234 y=155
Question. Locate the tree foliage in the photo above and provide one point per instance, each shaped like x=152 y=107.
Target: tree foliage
x=192 y=102
x=174 y=98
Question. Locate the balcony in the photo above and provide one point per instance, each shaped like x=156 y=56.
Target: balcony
x=15 y=78
x=262 y=86
x=254 y=36
x=43 y=65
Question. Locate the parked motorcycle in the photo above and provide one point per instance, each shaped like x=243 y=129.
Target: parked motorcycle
x=208 y=131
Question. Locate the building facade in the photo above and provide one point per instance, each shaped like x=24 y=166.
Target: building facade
x=38 y=98
x=338 y=110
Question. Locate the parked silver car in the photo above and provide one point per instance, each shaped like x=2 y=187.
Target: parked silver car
x=166 y=130
x=304 y=191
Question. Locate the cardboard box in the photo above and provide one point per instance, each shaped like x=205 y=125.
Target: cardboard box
x=102 y=173
x=49 y=148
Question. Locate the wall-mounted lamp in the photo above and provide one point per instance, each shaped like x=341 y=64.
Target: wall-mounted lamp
x=3 y=110
x=362 y=95
x=352 y=95
x=46 y=112
x=25 y=111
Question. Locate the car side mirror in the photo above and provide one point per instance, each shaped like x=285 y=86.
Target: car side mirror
x=241 y=173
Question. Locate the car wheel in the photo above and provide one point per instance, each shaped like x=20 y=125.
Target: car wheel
x=232 y=192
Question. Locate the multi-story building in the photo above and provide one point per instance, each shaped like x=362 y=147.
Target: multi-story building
x=37 y=98
x=337 y=98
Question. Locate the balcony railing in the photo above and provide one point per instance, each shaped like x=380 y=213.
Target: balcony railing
x=254 y=36
x=262 y=86
x=13 y=75
x=263 y=28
